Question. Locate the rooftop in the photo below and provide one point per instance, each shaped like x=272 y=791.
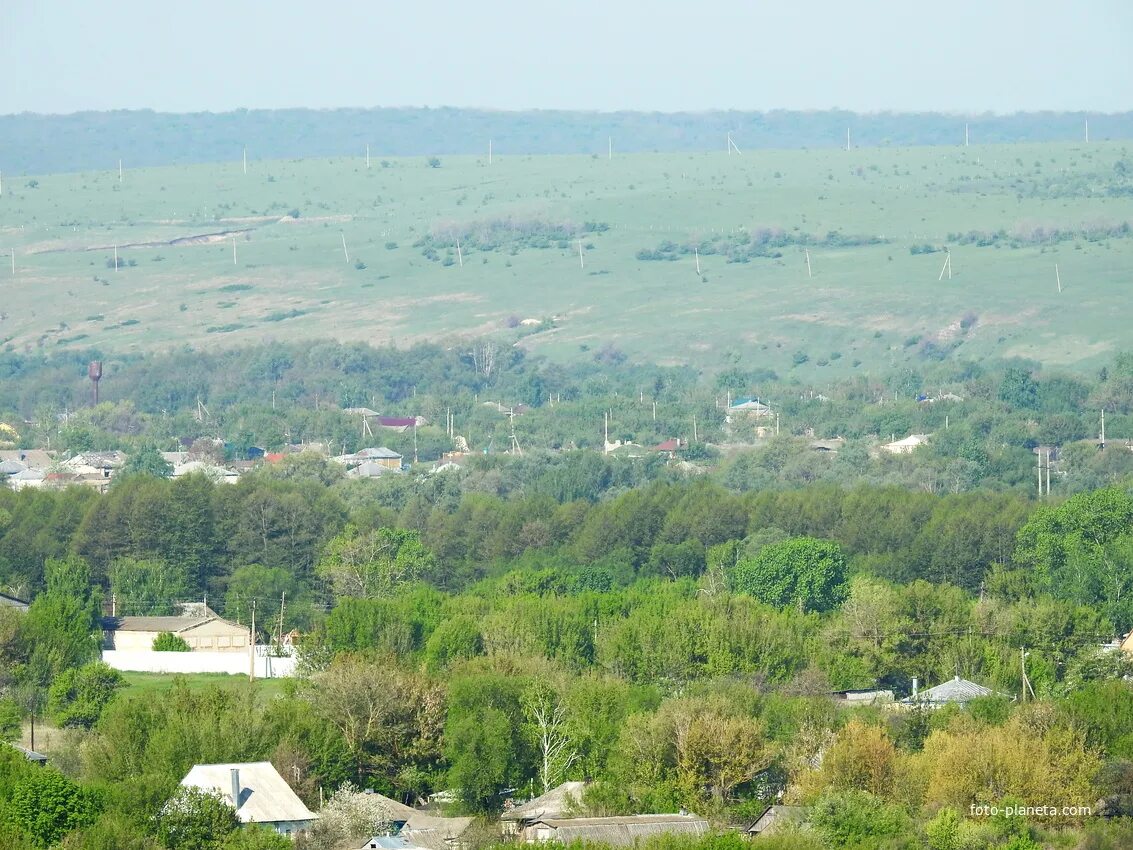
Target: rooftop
x=264 y=795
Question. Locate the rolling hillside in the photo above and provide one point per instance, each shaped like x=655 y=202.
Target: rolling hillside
x=333 y=248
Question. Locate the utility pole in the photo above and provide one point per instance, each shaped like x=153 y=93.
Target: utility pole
x=459 y=255
x=252 y=645
x=965 y=135
x=119 y=172
x=367 y=156
x=489 y=151
x=282 y=602
x=581 y=262
x=1103 y=427
x=694 y=437
x=1057 y=278
x=610 y=147
x=696 y=254
x=808 y=270
x=344 y=253
x=245 y=159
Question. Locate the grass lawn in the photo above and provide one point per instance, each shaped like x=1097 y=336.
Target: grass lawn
x=147 y=684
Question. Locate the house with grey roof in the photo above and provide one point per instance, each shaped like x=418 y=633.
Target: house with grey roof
x=776 y=819
x=956 y=691
x=7 y=601
x=257 y=792
x=561 y=801
x=622 y=831
x=197 y=624
x=30 y=755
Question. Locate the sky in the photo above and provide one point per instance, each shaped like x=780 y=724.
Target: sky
x=59 y=56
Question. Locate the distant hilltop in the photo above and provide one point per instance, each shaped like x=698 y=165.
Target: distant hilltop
x=43 y=144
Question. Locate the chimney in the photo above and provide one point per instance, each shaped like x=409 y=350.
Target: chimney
x=235 y=787
x=914 y=687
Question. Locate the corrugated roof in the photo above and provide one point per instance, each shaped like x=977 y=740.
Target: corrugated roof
x=397 y=421
x=30 y=755
x=12 y=602
x=264 y=795
x=553 y=804
x=380 y=452
x=624 y=831
x=389 y=842
x=955 y=690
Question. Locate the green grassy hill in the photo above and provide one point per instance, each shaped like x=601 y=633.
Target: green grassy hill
x=866 y=216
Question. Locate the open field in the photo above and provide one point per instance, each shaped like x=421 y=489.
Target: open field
x=871 y=302
x=153 y=684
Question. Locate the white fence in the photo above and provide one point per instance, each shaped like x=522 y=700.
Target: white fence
x=236 y=663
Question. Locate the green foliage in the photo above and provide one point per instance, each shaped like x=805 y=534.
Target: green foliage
x=374 y=562
x=169 y=642
x=803 y=572
x=256 y=837
x=147 y=587
x=484 y=740
x=145 y=460
x=454 y=639
x=62 y=624
x=857 y=819
x=78 y=696
x=47 y=805
x=11 y=719
x=196 y=820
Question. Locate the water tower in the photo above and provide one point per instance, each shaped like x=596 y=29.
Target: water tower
x=94 y=372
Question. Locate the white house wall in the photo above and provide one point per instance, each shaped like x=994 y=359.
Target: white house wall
x=148 y=661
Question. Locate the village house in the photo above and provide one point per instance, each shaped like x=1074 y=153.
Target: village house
x=198 y=625
x=906 y=445
x=560 y=802
x=622 y=831
x=257 y=792
x=774 y=820
x=956 y=691
x=418 y=829
x=7 y=601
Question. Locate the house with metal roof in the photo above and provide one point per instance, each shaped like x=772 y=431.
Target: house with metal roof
x=775 y=819
x=30 y=755
x=623 y=831
x=198 y=625
x=257 y=792
x=7 y=601
x=956 y=691
x=560 y=802
x=907 y=445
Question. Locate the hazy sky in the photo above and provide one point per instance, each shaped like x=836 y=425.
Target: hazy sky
x=957 y=55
